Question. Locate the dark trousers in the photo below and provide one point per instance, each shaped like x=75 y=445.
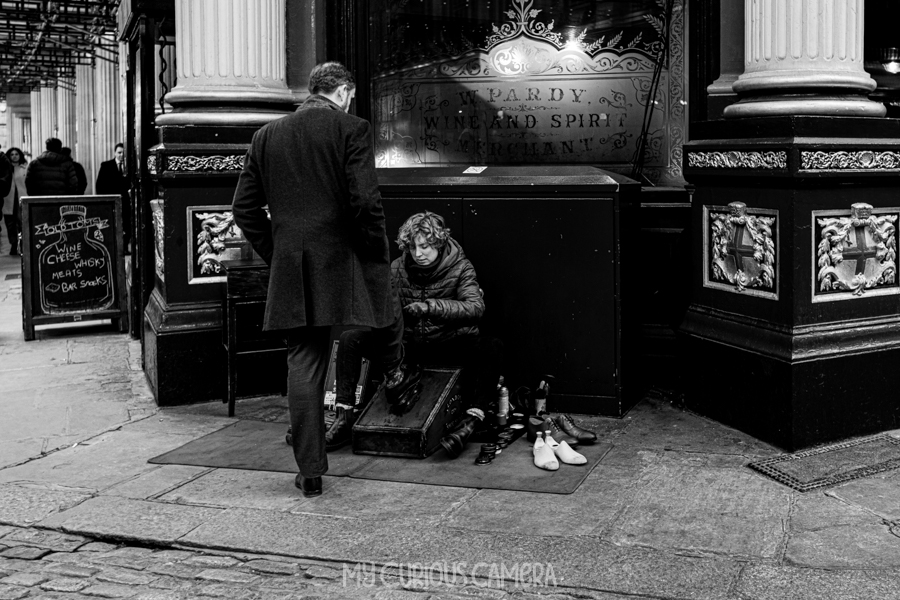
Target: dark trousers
x=481 y=358
x=12 y=232
x=307 y=361
x=384 y=347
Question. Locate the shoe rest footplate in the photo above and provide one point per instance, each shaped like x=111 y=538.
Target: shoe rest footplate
x=416 y=433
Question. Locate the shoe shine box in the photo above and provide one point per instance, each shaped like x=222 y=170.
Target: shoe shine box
x=416 y=433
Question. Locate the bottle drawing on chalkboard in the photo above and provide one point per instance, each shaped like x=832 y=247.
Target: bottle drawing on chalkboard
x=75 y=271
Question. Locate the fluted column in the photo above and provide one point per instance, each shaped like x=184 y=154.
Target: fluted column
x=804 y=57
x=84 y=122
x=48 y=114
x=231 y=63
x=65 y=112
x=106 y=109
x=37 y=143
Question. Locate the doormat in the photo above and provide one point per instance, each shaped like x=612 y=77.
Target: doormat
x=830 y=465
x=259 y=446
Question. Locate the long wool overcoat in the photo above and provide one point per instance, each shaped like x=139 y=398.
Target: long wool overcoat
x=326 y=242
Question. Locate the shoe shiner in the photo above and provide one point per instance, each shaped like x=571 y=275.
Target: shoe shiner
x=442 y=304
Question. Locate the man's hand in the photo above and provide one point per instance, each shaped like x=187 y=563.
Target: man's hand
x=416 y=309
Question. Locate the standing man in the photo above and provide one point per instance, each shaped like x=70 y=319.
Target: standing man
x=51 y=173
x=326 y=247
x=111 y=179
x=79 y=172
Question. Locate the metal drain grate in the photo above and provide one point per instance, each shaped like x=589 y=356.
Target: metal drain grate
x=13 y=276
x=830 y=465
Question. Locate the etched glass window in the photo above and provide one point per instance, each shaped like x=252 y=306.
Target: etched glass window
x=526 y=82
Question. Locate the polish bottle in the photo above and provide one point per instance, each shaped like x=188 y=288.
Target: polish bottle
x=502 y=403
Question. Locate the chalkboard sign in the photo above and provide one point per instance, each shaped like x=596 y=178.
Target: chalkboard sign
x=72 y=267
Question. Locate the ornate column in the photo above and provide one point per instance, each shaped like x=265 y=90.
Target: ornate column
x=48 y=113
x=107 y=119
x=37 y=143
x=232 y=77
x=65 y=113
x=231 y=63
x=804 y=57
x=84 y=111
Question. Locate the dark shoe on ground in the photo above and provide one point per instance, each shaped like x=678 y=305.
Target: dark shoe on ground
x=310 y=486
x=535 y=425
x=289 y=438
x=398 y=381
x=13 y=252
x=340 y=433
x=455 y=441
x=583 y=436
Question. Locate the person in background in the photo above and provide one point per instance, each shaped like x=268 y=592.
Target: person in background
x=52 y=173
x=12 y=215
x=112 y=179
x=6 y=174
x=79 y=172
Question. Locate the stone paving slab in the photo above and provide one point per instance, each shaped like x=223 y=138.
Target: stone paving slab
x=871 y=546
x=587 y=511
x=24 y=505
x=387 y=501
x=98 y=463
x=235 y=488
x=879 y=494
x=156 y=482
x=584 y=562
x=129 y=519
x=721 y=511
x=765 y=582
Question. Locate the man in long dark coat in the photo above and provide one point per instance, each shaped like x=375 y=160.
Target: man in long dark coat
x=326 y=247
x=112 y=179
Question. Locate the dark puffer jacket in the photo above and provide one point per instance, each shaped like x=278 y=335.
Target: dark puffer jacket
x=455 y=302
x=51 y=174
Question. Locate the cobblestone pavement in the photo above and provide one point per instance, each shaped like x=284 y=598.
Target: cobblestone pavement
x=38 y=563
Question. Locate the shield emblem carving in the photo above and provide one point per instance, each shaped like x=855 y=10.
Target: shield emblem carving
x=743 y=248
x=857 y=253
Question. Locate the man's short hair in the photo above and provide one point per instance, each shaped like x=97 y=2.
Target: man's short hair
x=119 y=145
x=65 y=151
x=329 y=76
x=53 y=145
x=428 y=224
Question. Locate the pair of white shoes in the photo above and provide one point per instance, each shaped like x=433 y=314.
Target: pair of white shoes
x=548 y=453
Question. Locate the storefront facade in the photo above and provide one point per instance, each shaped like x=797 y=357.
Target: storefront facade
x=623 y=86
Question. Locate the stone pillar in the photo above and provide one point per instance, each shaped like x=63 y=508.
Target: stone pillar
x=231 y=63
x=107 y=121
x=230 y=60
x=48 y=113
x=84 y=111
x=804 y=57
x=37 y=143
x=65 y=113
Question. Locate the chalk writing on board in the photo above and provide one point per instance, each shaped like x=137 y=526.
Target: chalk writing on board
x=75 y=271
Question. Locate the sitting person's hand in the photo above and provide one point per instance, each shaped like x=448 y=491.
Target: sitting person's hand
x=416 y=309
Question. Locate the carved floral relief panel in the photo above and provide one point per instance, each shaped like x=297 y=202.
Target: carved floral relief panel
x=740 y=249
x=215 y=238
x=855 y=253
x=528 y=81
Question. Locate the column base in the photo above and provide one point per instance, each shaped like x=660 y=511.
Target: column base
x=218 y=117
x=796 y=106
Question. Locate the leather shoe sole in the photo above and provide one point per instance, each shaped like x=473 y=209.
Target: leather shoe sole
x=310 y=486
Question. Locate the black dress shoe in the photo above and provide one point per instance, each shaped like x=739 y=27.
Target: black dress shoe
x=310 y=486
x=399 y=381
x=289 y=437
x=583 y=436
